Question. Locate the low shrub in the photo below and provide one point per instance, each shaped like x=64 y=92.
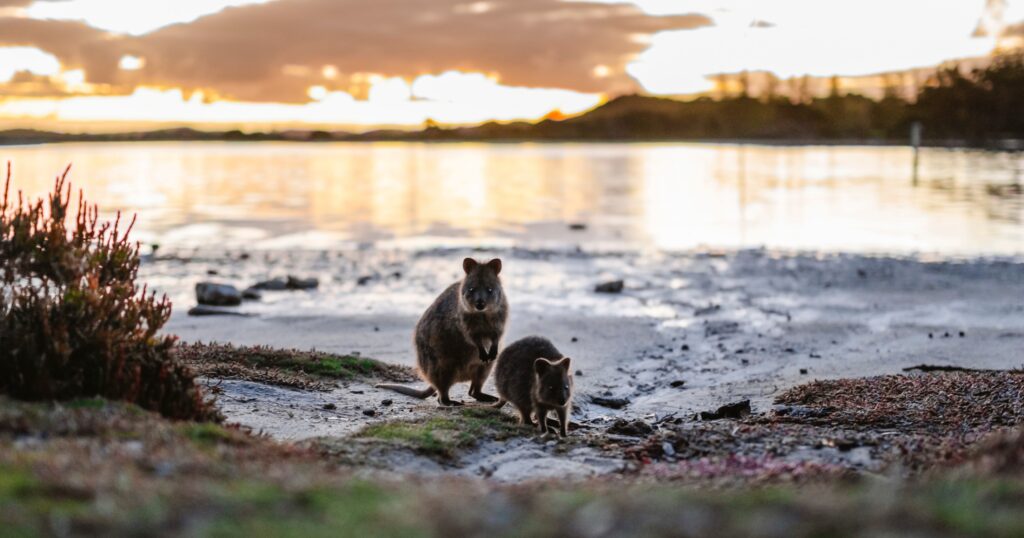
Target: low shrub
x=73 y=323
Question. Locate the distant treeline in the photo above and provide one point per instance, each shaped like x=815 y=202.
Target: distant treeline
x=982 y=108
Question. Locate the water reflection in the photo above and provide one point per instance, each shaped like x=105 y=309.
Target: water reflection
x=672 y=196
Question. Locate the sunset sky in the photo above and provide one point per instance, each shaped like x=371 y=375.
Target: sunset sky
x=79 y=65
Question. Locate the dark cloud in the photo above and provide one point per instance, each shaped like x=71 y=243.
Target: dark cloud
x=243 y=52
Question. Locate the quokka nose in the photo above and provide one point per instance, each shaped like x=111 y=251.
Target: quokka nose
x=480 y=305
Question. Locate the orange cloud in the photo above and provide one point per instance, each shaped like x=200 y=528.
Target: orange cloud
x=275 y=52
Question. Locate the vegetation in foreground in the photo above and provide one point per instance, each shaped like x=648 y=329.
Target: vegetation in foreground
x=92 y=467
x=73 y=322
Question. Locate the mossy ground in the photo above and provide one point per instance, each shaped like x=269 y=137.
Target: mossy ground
x=309 y=370
x=442 y=436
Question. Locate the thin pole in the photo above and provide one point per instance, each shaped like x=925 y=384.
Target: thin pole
x=915 y=142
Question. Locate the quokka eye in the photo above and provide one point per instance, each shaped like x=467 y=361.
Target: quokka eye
x=471 y=290
x=490 y=290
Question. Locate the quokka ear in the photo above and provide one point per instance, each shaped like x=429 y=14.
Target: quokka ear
x=564 y=364
x=469 y=264
x=541 y=365
x=495 y=265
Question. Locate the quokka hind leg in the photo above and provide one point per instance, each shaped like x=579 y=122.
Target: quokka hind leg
x=442 y=396
x=525 y=416
x=476 y=387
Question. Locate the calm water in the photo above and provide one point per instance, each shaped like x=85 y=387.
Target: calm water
x=668 y=196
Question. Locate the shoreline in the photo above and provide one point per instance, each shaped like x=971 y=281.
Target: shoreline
x=999 y=146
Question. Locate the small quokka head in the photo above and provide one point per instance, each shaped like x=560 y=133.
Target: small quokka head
x=481 y=289
x=554 y=382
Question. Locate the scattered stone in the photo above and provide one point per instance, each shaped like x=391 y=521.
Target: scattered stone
x=296 y=283
x=803 y=371
x=251 y=294
x=677 y=383
x=707 y=310
x=686 y=347
x=613 y=286
x=733 y=410
x=801 y=411
x=579 y=373
x=364 y=280
x=204 y=310
x=276 y=284
x=720 y=327
x=944 y=368
x=814 y=356
x=668 y=449
x=930 y=335
x=212 y=272
x=611 y=403
x=330 y=406
x=577 y=226
x=213 y=294
x=574 y=339
x=634 y=428
x=962 y=334
x=369 y=412
x=386 y=402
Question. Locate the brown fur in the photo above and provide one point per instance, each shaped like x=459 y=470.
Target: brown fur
x=457 y=337
x=535 y=376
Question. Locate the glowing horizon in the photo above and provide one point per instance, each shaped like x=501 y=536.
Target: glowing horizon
x=92 y=64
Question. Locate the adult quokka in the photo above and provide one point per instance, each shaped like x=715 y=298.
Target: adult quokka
x=535 y=376
x=457 y=337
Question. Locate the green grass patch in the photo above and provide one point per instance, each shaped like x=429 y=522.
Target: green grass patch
x=86 y=403
x=14 y=483
x=356 y=509
x=205 y=433
x=444 y=435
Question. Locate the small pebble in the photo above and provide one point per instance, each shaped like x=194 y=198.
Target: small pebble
x=962 y=334
x=803 y=371
x=685 y=347
x=330 y=406
x=579 y=373
x=369 y=412
x=677 y=383
x=668 y=449
x=930 y=335
x=574 y=339
x=386 y=402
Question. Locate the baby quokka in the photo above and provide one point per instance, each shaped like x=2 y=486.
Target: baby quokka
x=533 y=375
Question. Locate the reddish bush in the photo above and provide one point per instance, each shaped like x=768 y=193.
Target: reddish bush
x=73 y=323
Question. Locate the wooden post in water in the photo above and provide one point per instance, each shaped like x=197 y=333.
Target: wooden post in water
x=915 y=142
